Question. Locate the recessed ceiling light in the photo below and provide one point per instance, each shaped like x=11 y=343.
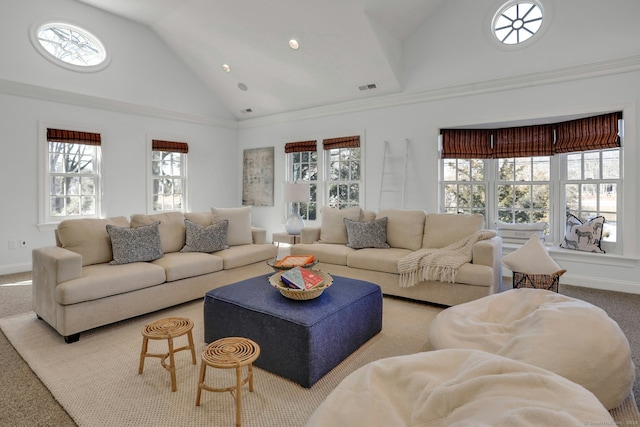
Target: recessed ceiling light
x=293 y=44
x=242 y=86
x=226 y=68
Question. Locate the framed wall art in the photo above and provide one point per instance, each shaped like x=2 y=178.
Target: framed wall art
x=257 y=177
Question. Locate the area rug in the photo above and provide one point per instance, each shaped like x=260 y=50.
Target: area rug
x=96 y=379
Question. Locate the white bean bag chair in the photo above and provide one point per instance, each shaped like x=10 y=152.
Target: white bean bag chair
x=457 y=388
x=570 y=337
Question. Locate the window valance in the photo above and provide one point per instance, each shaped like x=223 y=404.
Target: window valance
x=170 y=146
x=299 y=146
x=466 y=144
x=590 y=133
x=343 y=142
x=73 y=137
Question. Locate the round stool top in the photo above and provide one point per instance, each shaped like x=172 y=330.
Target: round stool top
x=167 y=327
x=231 y=352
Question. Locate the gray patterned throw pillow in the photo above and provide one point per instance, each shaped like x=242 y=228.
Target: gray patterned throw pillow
x=367 y=234
x=135 y=244
x=206 y=239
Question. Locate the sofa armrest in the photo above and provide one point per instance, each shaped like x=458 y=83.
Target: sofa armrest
x=310 y=234
x=259 y=235
x=51 y=265
x=489 y=252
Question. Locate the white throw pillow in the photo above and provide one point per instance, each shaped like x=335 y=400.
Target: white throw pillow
x=531 y=258
x=239 y=230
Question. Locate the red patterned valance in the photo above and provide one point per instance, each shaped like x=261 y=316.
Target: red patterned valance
x=344 y=142
x=525 y=141
x=73 y=137
x=466 y=144
x=297 y=147
x=171 y=146
x=591 y=133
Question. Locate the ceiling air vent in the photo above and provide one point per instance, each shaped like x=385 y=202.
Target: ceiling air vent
x=248 y=110
x=368 y=87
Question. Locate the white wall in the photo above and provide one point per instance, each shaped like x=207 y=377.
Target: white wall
x=587 y=61
x=212 y=160
x=143 y=71
x=145 y=92
x=420 y=123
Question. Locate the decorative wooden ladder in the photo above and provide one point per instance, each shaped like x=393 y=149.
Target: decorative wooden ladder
x=393 y=177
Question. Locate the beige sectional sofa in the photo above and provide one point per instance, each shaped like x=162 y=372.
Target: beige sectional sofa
x=89 y=279
x=407 y=231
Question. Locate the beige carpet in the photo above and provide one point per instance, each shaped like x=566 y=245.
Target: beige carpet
x=96 y=379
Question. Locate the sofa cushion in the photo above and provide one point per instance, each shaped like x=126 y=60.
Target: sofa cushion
x=172 y=229
x=367 y=215
x=104 y=280
x=179 y=265
x=324 y=252
x=88 y=237
x=241 y=255
x=203 y=218
x=441 y=229
x=239 y=231
x=332 y=228
x=405 y=228
x=366 y=234
x=205 y=239
x=135 y=244
x=383 y=260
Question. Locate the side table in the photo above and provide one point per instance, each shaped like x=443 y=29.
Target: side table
x=291 y=239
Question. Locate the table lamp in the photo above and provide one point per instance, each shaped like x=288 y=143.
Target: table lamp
x=294 y=193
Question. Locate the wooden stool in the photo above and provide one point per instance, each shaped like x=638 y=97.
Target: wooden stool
x=230 y=353
x=167 y=329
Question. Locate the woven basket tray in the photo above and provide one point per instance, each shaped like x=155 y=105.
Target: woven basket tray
x=301 y=294
x=272 y=263
x=537 y=281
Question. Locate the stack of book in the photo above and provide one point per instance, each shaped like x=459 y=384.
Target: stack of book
x=300 y=278
x=295 y=260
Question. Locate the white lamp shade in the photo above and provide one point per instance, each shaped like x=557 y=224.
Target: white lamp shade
x=296 y=192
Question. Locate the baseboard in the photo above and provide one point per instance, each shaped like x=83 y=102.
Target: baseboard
x=15 y=268
x=605 y=284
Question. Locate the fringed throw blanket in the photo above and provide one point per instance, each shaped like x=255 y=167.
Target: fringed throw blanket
x=439 y=264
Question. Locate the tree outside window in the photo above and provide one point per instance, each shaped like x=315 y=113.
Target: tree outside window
x=73 y=179
x=304 y=168
x=168 y=181
x=344 y=177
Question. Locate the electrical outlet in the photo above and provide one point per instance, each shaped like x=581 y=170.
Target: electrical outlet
x=12 y=244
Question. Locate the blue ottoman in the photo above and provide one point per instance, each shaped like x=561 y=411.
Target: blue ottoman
x=299 y=340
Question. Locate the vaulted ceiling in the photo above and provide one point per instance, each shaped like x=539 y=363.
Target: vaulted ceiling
x=345 y=47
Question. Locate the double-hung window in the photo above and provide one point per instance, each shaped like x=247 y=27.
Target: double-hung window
x=72 y=177
x=343 y=165
x=168 y=176
x=332 y=167
x=537 y=173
